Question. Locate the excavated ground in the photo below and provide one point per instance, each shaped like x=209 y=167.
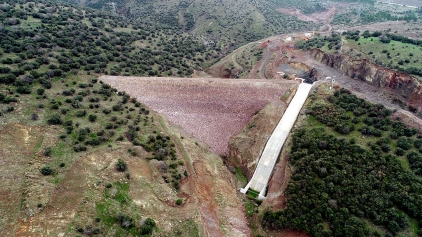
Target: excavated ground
x=211 y=110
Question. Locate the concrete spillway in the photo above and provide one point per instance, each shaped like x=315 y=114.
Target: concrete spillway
x=273 y=147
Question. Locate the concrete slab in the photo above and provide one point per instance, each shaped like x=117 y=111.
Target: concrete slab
x=276 y=141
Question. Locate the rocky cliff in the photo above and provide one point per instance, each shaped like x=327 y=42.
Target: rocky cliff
x=406 y=86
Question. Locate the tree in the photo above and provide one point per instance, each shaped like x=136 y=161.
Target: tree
x=366 y=34
x=55 y=119
x=384 y=39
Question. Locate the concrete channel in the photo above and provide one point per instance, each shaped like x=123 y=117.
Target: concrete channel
x=274 y=145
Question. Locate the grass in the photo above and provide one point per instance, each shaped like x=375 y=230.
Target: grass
x=389 y=54
x=240 y=178
x=252 y=193
x=186 y=228
x=249 y=207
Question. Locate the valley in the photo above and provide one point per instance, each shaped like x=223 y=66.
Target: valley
x=148 y=121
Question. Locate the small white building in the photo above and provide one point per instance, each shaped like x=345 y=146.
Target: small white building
x=309 y=35
x=288 y=39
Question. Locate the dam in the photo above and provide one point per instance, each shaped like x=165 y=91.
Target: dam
x=269 y=156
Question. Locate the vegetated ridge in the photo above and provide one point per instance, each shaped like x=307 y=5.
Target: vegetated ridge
x=80 y=157
x=355 y=172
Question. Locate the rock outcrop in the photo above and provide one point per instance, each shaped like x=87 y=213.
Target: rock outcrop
x=402 y=84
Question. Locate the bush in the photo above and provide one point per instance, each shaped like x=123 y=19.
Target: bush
x=92 y=118
x=46 y=170
x=121 y=165
x=148 y=227
x=80 y=113
x=399 y=152
x=78 y=148
x=404 y=143
x=8 y=79
x=55 y=119
x=48 y=151
x=40 y=91
x=124 y=220
x=179 y=202
x=23 y=89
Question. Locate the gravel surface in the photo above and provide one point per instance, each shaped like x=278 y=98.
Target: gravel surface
x=212 y=110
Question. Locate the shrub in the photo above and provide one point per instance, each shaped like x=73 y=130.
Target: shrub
x=92 y=117
x=179 y=201
x=46 y=170
x=78 y=148
x=404 y=143
x=23 y=89
x=148 y=227
x=124 y=220
x=48 y=151
x=40 y=91
x=34 y=116
x=81 y=113
x=399 y=152
x=55 y=119
x=121 y=165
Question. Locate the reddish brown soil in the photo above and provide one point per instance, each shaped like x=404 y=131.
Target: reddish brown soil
x=207 y=205
x=276 y=198
x=212 y=110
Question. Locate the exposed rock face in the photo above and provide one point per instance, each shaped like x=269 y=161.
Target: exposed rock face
x=402 y=84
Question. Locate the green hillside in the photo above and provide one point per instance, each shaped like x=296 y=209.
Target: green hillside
x=50 y=56
x=356 y=172
x=228 y=24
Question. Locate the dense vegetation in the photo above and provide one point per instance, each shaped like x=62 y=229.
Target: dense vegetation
x=50 y=55
x=48 y=40
x=370 y=13
x=356 y=172
x=228 y=24
x=333 y=41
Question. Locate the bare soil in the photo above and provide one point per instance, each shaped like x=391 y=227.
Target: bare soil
x=211 y=110
x=416 y=3
x=409 y=29
x=218 y=204
x=18 y=145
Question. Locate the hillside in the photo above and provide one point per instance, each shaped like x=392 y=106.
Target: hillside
x=356 y=171
x=223 y=24
x=59 y=39
x=81 y=158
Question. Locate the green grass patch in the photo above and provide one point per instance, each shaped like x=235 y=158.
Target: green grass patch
x=252 y=193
